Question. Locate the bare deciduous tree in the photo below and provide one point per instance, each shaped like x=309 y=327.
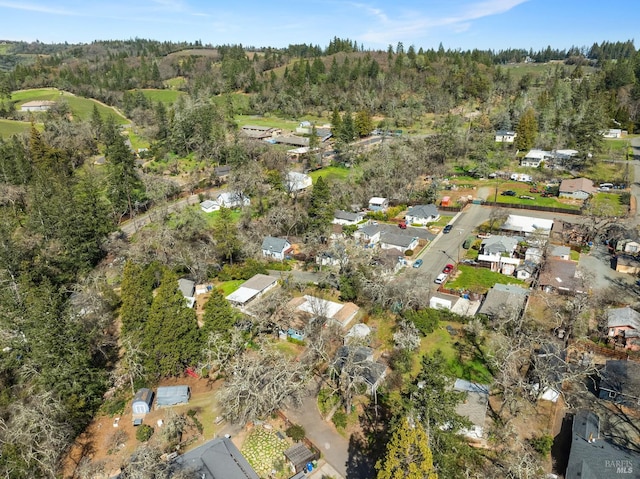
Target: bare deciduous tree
x=259 y=383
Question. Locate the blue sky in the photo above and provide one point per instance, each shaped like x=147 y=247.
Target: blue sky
x=463 y=24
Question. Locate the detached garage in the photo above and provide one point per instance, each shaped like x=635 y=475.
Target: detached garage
x=142 y=401
x=172 y=395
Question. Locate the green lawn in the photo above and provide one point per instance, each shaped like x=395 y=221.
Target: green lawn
x=609 y=172
x=607 y=204
x=9 y=128
x=175 y=83
x=523 y=189
x=229 y=287
x=81 y=107
x=137 y=142
x=271 y=121
x=167 y=97
x=470 y=368
x=479 y=279
x=333 y=173
x=211 y=217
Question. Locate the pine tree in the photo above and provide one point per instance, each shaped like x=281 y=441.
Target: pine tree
x=225 y=235
x=320 y=208
x=363 y=123
x=136 y=294
x=527 y=130
x=171 y=334
x=219 y=315
x=408 y=454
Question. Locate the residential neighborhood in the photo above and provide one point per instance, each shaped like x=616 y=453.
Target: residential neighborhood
x=330 y=262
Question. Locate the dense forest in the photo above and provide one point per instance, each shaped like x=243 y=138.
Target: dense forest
x=62 y=347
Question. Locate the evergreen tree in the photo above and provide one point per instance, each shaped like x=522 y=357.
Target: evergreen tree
x=408 y=455
x=527 y=130
x=219 y=315
x=96 y=122
x=320 y=208
x=225 y=235
x=136 y=295
x=336 y=122
x=363 y=123
x=171 y=334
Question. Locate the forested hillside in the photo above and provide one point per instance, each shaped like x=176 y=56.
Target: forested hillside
x=66 y=326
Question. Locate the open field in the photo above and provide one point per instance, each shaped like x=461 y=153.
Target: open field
x=608 y=204
x=271 y=121
x=479 y=280
x=167 y=97
x=81 y=107
x=10 y=127
x=333 y=173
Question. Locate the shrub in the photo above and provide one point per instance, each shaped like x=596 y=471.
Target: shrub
x=542 y=444
x=340 y=419
x=144 y=433
x=114 y=406
x=295 y=432
x=298 y=342
x=409 y=252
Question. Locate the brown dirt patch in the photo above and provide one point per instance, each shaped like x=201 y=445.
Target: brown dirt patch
x=102 y=441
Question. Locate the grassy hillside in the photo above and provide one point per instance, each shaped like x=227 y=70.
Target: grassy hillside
x=9 y=128
x=80 y=107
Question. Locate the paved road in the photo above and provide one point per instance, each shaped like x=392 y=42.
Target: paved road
x=334 y=447
x=635 y=186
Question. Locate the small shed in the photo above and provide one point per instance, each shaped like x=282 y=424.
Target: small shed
x=142 y=401
x=299 y=456
x=172 y=395
x=446 y=201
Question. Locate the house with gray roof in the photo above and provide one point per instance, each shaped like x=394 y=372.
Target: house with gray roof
x=505 y=136
x=474 y=407
x=504 y=301
x=422 y=214
x=399 y=242
x=560 y=252
x=217 y=459
x=172 y=395
x=252 y=289
x=341 y=217
x=275 y=248
x=577 y=188
x=559 y=275
x=594 y=457
x=368 y=234
x=498 y=253
x=360 y=366
x=620 y=383
x=624 y=327
x=188 y=290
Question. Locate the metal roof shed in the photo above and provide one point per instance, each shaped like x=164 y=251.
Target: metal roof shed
x=142 y=401
x=172 y=395
x=299 y=456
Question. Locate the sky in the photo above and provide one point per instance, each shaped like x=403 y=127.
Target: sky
x=457 y=24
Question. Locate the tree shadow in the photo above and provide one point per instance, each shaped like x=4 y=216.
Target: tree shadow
x=369 y=444
x=562 y=446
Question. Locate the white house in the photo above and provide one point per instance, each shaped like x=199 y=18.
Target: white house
x=505 y=136
x=534 y=158
x=209 y=206
x=275 y=248
x=37 y=105
x=252 y=289
x=422 y=214
x=297 y=182
x=344 y=218
x=369 y=234
x=398 y=241
x=526 y=225
x=232 y=199
x=612 y=133
x=378 y=204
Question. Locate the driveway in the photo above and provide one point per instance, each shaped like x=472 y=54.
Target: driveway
x=334 y=447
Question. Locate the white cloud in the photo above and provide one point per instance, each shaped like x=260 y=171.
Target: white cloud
x=31 y=7
x=412 y=24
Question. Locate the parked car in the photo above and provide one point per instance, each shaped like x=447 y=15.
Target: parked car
x=441 y=278
x=417 y=263
x=508 y=193
x=484 y=235
x=447 y=229
x=448 y=269
x=402 y=225
x=526 y=197
x=547 y=194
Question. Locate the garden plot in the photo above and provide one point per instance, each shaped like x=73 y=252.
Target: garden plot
x=265 y=451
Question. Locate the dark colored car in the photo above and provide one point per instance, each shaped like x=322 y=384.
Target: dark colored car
x=448 y=269
x=447 y=229
x=508 y=193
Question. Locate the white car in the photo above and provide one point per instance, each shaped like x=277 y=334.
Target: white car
x=441 y=278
